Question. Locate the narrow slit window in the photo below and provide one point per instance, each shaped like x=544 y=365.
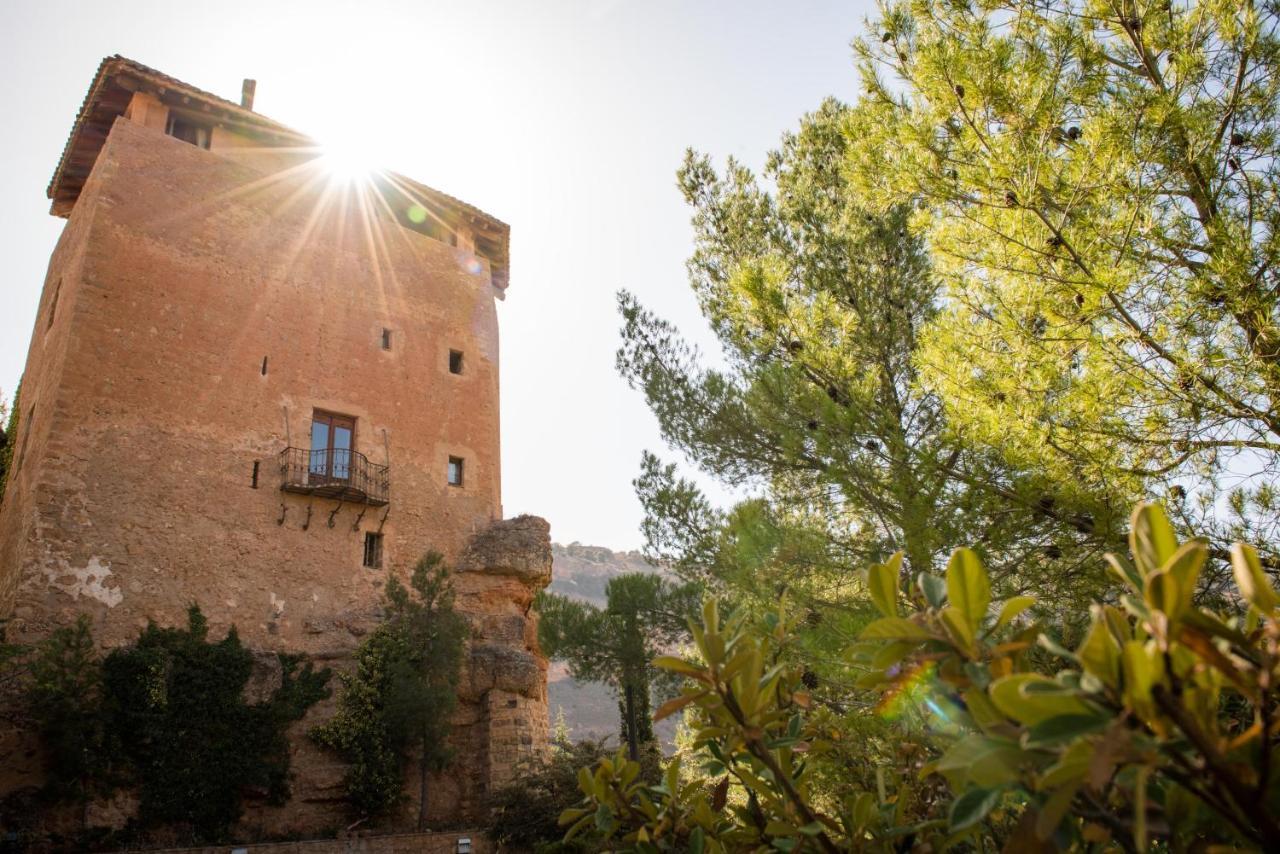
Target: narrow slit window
x=386 y=339
x=455 y=361
x=373 y=550
x=455 y=471
x=53 y=304
x=264 y=366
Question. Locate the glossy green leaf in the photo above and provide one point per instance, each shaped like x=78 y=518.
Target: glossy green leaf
x=1124 y=571
x=1161 y=593
x=1140 y=674
x=983 y=760
x=1010 y=696
x=882 y=584
x=1072 y=767
x=972 y=807
x=1062 y=728
x=1099 y=654
x=1210 y=624
x=982 y=710
x=1250 y=578
x=957 y=627
x=1054 y=809
x=677 y=665
x=894 y=628
x=1012 y=608
x=1185 y=566
x=1151 y=538
x=933 y=587
x=891 y=653
x=968 y=589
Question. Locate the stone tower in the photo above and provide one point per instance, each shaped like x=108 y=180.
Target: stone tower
x=263 y=390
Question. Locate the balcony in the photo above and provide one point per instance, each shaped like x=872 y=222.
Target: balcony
x=334 y=473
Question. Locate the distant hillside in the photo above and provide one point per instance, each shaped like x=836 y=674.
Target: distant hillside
x=581 y=572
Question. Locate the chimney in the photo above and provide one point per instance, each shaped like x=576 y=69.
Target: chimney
x=246 y=93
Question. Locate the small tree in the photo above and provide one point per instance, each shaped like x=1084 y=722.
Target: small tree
x=643 y=616
x=561 y=737
x=401 y=696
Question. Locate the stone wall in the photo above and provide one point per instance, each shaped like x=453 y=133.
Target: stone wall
x=199 y=306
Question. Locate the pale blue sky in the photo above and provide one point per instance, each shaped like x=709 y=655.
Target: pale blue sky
x=565 y=118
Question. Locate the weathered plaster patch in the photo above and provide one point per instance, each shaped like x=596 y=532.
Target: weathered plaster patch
x=88 y=581
x=277 y=605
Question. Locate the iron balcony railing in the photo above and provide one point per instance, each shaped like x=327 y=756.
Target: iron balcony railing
x=334 y=473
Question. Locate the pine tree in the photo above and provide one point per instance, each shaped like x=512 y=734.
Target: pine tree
x=819 y=303
x=643 y=616
x=1098 y=185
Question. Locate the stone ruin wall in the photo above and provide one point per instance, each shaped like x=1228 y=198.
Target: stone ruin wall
x=499 y=726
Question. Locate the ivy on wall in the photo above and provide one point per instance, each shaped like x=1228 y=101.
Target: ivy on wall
x=167 y=716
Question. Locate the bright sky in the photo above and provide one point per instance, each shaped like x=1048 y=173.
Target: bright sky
x=565 y=118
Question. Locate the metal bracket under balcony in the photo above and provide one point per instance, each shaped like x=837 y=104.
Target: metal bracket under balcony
x=334 y=473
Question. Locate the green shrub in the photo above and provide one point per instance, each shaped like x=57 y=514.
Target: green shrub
x=1158 y=728
x=524 y=813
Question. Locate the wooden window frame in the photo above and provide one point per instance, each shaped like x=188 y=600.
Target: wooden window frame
x=332 y=419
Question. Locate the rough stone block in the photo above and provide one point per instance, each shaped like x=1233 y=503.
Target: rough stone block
x=519 y=547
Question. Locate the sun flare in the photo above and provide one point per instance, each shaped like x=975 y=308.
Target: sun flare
x=348 y=159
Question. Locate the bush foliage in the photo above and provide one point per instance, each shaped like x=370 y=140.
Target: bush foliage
x=524 y=813
x=1158 y=726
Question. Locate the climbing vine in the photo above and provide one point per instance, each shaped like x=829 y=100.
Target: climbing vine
x=168 y=716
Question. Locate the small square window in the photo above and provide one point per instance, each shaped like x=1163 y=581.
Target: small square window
x=386 y=339
x=455 y=471
x=455 y=361
x=188 y=131
x=373 y=550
